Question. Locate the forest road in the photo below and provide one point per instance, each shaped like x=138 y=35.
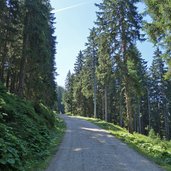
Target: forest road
x=86 y=147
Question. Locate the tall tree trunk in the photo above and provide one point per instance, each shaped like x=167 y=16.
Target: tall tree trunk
x=120 y=111
x=8 y=79
x=103 y=108
x=4 y=55
x=13 y=82
x=24 y=56
x=128 y=107
x=2 y=69
x=95 y=82
x=106 y=111
x=95 y=96
x=149 y=108
x=166 y=120
x=120 y=107
x=135 y=120
x=22 y=75
x=139 y=117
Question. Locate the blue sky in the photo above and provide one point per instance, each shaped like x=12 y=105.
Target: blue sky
x=74 y=18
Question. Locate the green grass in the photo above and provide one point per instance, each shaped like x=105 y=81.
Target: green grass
x=151 y=146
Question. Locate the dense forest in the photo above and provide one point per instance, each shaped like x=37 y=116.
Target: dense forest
x=112 y=81
x=28 y=126
x=27 y=49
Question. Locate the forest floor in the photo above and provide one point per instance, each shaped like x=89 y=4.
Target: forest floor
x=86 y=147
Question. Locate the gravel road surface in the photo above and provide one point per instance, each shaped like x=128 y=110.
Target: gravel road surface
x=86 y=147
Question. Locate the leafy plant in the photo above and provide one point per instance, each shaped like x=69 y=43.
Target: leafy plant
x=28 y=131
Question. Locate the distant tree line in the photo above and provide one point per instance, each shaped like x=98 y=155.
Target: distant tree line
x=27 y=49
x=111 y=81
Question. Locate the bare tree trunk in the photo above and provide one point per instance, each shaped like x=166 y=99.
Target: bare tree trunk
x=24 y=57
x=166 y=120
x=22 y=70
x=106 y=112
x=95 y=96
x=120 y=111
x=135 y=121
x=120 y=107
x=2 y=69
x=8 y=79
x=129 y=109
x=103 y=108
x=13 y=82
x=139 y=117
x=4 y=55
x=95 y=82
x=149 y=108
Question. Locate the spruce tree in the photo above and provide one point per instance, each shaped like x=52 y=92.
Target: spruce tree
x=37 y=67
x=159 y=101
x=159 y=27
x=104 y=70
x=11 y=42
x=27 y=49
x=79 y=63
x=68 y=95
x=79 y=99
x=92 y=48
x=122 y=22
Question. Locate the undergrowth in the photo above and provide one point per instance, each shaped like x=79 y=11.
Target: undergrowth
x=28 y=133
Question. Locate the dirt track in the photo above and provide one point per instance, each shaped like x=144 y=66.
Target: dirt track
x=86 y=147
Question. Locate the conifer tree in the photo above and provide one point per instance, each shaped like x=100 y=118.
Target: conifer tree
x=91 y=50
x=121 y=21
x=11 y=42
x=159 y=27
x=37 y=70
x=79 y=63
x=60 y=96
x=104 y=70
x=79 y=99
x=27 y=49
x=159 y=115
x=68 y=95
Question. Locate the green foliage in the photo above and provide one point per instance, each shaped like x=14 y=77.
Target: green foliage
x=60 y=99
x=27 y=49
x=159 y=27
x=68 y=94
x=43 y=111
x=159 y=96
x=104 y=69
x=12 y=149
x=27 y=132
x=152 y=134
x=151 y=146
